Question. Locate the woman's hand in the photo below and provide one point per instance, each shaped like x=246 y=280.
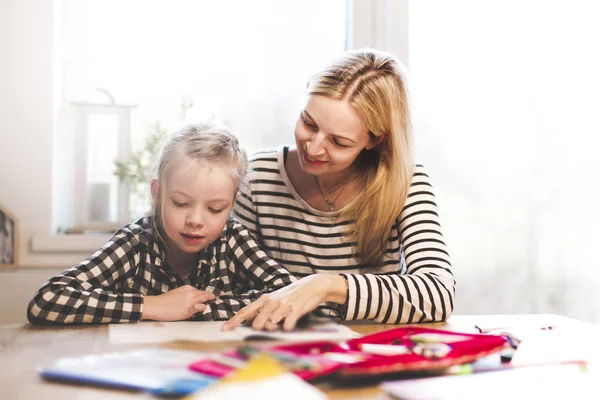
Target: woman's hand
x=176 y=305
x=290 y=303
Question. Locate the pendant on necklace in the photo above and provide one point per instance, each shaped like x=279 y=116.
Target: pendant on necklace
x=330 y=205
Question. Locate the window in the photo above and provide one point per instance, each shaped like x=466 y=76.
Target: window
x=505 y=100
x=243 y=63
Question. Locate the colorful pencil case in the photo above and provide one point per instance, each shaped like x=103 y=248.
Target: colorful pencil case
x=426 y=350
x=294 y=357
x=407 y=349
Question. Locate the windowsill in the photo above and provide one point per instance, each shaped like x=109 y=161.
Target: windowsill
x=56 y=252
x=68 y=244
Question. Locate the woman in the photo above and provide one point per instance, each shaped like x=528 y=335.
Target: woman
x=347 y=209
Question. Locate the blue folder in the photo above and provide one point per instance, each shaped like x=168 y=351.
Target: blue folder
x=162 y=372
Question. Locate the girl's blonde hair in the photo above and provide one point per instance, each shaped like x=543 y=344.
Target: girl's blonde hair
x=373 y=82
x=202 y=142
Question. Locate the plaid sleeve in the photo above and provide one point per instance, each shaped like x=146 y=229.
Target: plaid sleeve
x=255 y=274
x=87 y=292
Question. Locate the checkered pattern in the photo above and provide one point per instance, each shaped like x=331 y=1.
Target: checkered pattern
x=109 y=286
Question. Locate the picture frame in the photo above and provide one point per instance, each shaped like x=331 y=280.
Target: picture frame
x=9 y=229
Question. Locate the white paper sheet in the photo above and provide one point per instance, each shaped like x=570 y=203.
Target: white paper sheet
x=210 y=331
x=161 y=332
x=488 y=323
x=270 y=388
x=261 y=378
x=559 y=345
x=551 y=381
x=314 y=332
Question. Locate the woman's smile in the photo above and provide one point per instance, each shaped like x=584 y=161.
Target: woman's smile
x=313 y=162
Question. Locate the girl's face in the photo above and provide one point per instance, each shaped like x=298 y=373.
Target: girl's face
x=330 y=134
x=197 y=200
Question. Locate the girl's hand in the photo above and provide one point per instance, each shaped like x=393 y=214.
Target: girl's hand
x=290 y=303
x=176 y=305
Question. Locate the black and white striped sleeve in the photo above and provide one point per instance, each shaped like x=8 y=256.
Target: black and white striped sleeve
x=426 y=292
x=245 y=210
x=86 y=293
x=253 y=273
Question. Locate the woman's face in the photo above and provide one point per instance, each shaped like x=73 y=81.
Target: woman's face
x=330 y=134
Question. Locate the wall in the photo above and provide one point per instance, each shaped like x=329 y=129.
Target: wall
x=26 y=120
x=17 y=287
x=26 y=115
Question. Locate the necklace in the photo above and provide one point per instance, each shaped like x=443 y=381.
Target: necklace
x=331 y=202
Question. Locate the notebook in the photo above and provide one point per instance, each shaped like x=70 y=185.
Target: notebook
x=158 y=371
x=210 y=331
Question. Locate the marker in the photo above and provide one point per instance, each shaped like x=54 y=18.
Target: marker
x=384 y=349
x=548 y=328
x=343 y=358
x=437 y=338
x=495 y=331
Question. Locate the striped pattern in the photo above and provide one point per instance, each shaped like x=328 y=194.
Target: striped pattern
x=415 y=282
x=109 y=286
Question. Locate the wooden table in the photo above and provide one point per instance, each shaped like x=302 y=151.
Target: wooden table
x=23 y=347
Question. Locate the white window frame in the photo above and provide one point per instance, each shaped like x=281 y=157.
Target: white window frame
x=123 y=114
x=381 y=24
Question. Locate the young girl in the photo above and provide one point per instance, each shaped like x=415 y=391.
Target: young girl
x=186 y=259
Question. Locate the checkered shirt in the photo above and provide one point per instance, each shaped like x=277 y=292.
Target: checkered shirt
x=109 y=286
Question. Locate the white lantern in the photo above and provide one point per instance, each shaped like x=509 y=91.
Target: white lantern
x=103 y=135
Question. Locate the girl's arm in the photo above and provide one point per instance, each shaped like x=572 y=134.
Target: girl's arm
x=252 y=274
x=86 y=293
x=426 y=292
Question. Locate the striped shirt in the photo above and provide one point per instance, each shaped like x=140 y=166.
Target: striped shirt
x=413 y=284
x=109 y=286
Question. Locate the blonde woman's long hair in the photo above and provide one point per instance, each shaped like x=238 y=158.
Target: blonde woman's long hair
x=373 y=82
x=204 y=142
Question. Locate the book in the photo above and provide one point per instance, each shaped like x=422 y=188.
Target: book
x=210 y=331
x=158 y=371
